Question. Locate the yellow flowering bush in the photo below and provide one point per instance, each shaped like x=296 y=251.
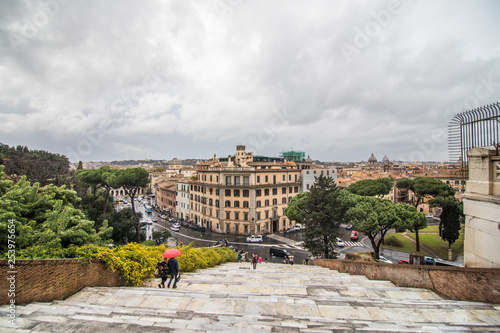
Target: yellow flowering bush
x=137 y=262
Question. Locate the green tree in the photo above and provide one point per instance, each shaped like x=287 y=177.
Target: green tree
x=375 y=216
x=37 y=165
x=372 y=187
x=449 y=225
x=124 y=225
x=423 y=188
x=322 y=210
x=45 y=217
x=132 y=180
x=295 y=210
x=99 y=182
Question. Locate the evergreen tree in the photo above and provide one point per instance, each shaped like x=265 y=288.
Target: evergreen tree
x=45 y=217
x=131 y=180
x=375 y=216
x=449 y=225
x=423 y=188
x=322 y=211
x=372 y=187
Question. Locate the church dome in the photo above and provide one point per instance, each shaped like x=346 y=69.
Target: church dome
x=385 y=160
x=372 y=159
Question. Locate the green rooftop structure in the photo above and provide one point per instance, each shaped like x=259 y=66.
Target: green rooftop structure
x=295 y=156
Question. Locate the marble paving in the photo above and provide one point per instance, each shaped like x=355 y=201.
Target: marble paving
x=273 y=298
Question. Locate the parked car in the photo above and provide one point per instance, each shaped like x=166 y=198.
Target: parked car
x=384 y=259
x=254 y=239
x=348 y=227
x=292 y=230
x=277 y=252
x=354 y=235
x=404 y=262
x=174 y=228
x=154 y=219
x=200 y=229
x=340 y=243
x=177 y=225
x=429 y=261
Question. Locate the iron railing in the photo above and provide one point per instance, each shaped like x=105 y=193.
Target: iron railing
x=470 y=129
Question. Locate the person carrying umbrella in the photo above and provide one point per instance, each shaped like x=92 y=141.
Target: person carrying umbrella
x=173 y=265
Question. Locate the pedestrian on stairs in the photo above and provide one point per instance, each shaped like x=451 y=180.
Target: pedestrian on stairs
x=162 y=268
x=173 y=266
x=254 y=261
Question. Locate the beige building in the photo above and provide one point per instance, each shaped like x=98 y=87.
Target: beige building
x=244 y=194
x=165 y=194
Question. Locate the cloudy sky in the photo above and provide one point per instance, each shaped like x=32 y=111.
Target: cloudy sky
x=112 y=80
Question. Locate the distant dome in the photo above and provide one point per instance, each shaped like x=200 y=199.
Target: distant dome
x=372 y=159
x=385 y=160
x=309 y=159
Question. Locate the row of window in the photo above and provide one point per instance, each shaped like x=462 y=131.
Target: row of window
x=241 y=216
x=236 y=204
x=245 y=180
x=244 y=193
x=327 y=172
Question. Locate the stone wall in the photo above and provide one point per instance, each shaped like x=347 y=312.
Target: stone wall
x=458 y=283
x=482 y=209
x=52 y=279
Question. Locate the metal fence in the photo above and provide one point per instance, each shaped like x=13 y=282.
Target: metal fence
x=470 y=129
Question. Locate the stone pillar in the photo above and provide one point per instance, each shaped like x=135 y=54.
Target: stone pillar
x=482 y=209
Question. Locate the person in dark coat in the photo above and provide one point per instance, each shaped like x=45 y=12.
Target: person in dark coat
x=162 y=268
x=174 y=271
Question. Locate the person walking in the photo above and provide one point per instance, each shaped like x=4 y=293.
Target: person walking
x=162 y=268
x=173 y=266
x=254 y=261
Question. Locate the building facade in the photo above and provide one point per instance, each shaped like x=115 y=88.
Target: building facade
x=183 y=200
x=244 y=194
x=165 y=194
x=309 y=176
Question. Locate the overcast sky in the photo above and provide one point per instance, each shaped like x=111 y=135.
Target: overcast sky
x=112 y=80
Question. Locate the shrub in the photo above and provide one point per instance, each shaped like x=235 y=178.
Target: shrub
x=137 y=262
x=392 y=240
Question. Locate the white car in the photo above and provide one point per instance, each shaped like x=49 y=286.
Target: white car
x=384 y=259
x=174 y=228
x=254 y=239
x=340 y=242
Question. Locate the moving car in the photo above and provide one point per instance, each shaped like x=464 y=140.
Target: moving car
x=274 y=251
x=404 y=262
x=340 y=243
x=429 y=261
x=354 y=235
x=174 y=228
x=254 y=239
x=384 y=259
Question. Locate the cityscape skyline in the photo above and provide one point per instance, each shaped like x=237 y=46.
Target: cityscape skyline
x=187 y=79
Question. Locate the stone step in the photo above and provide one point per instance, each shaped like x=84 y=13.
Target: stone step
x=273 y=298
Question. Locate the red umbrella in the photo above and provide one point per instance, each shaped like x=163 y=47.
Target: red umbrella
x=171 y=253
